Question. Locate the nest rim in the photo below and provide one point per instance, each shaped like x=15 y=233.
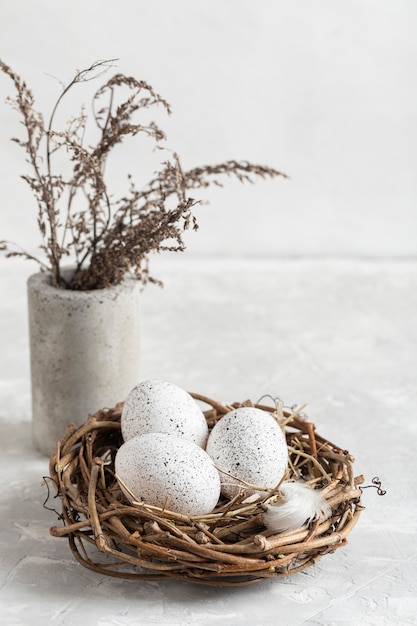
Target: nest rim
x=228 y=547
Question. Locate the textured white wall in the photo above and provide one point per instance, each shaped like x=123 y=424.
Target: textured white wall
x=322 y=89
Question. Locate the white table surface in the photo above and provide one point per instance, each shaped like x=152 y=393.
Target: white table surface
x=339 y=335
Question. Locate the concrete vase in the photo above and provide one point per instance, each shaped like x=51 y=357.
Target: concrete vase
x=84 y=353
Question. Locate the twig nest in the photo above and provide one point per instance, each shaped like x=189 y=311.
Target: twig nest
x=108 y=532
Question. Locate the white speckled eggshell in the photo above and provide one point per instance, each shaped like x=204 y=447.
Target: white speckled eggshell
x=160 y=406
x=157 y=466
x=249 y=444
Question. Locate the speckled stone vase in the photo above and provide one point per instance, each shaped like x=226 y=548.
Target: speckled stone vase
x=84 y=353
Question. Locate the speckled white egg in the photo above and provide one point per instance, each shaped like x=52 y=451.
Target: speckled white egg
x=160 y=406
x=248 y=444
x=168 y=471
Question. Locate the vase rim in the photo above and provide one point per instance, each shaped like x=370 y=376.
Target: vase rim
x=42 y=281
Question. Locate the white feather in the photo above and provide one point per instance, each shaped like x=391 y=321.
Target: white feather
x=301 y=504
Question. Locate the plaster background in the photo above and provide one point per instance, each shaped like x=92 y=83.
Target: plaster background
x=325 y=91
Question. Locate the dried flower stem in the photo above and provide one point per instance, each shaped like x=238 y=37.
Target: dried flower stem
x=108 y=237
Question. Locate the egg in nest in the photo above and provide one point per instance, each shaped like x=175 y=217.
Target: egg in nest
x=168 y=471
x=248 y=446
x=161 y=406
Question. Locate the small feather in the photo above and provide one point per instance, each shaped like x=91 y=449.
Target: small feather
x=301 y=504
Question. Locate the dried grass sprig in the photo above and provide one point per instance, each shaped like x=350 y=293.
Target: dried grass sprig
x=78 y=216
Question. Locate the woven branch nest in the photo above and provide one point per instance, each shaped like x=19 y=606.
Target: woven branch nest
x=230 y=546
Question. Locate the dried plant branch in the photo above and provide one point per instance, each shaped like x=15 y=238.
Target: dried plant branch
x=77 y=214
